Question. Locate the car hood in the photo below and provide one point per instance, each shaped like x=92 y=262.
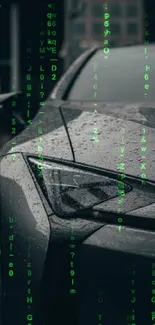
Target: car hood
x=55 y=141
x=119 y=128
x=68 y=129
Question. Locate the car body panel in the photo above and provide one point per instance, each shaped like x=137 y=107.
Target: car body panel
x=113 y=133
x=120 y=77
x=48 y=237
x=119 y=125
x=55 y=141
x=25 y=233
x=115 y=124
x=37 y=240
x=123 y=74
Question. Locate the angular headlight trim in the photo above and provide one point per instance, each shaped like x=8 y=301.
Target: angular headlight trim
x=70 y=190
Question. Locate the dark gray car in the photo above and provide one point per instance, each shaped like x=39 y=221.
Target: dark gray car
x=81 y=209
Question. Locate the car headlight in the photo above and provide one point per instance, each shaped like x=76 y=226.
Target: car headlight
x=70 y=190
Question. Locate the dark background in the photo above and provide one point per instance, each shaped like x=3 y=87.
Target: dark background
x=149 y=8
x=31 y=15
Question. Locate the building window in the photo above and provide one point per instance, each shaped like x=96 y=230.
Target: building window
x=98 y=29
x=97 y=11
x=131 y=11
x=132 y=29
x=79 y=28
x=115 y=29
x=115 y=10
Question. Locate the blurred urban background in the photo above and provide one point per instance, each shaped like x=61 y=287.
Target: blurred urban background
x=79 y=26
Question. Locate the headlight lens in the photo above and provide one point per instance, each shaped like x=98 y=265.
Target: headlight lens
x=70 y=190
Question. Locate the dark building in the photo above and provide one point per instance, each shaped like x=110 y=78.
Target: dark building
x=149 y=9
x=5 y=62
x=21 y=27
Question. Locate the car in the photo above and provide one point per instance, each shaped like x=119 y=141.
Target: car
x=78 y=211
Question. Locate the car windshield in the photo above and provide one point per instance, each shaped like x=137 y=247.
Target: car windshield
x=120 y=78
